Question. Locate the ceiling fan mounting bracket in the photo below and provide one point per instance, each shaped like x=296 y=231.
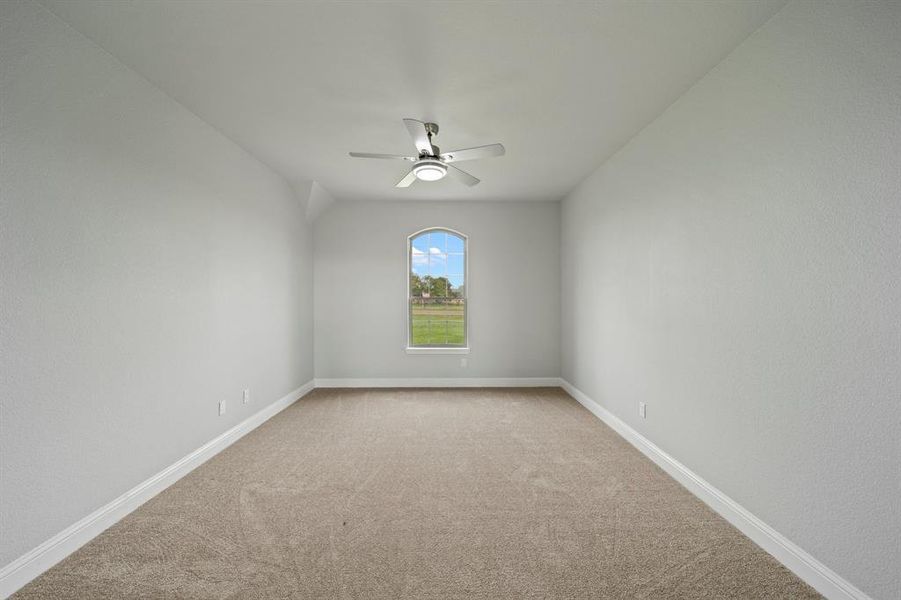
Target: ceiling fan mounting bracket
x=431 y=128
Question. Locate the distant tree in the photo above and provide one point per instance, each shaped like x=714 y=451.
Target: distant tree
x=439 y=287
x=416 y=285
x=435 y=287
x=427 y=285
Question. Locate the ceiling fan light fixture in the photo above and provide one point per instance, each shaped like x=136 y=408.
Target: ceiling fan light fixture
x=429 y=169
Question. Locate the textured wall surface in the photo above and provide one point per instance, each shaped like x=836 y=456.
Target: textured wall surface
x=513 y=289
x=737 y=267
x=150 y=268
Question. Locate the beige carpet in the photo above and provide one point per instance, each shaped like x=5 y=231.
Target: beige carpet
x=424 y=494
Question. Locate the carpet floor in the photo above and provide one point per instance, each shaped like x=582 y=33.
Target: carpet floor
x=402 y=494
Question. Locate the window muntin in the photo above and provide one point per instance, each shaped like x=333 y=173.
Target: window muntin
x=436 y=302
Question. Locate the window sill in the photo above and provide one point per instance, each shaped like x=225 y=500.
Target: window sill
x=424 y=350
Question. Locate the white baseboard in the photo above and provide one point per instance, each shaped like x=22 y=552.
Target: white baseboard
x=28 y=566
x=816 y=574
x=432 y=382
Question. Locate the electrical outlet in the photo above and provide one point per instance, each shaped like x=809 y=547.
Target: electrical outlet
x=221 y=407
x=246 y=396
x=463 y=363
x=642 y=410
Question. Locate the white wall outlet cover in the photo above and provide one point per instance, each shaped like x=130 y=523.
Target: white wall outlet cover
x=246 y=396
x=222 y=407
x=642 y=410
x=463 y=362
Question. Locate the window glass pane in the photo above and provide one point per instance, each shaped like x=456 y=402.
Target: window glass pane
x=438 y=265
x=438 y=242
x=455 y=264
x=455 y=332
x=421 y=243
x=418 y=324
x=416 y=286
x=439 y=287
x=457 y=289
x=419 y=261
x=454 y=243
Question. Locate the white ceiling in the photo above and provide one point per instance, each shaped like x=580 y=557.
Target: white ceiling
x=300 y=84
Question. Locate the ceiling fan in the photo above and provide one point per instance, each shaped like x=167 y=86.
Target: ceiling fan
x=430 y=164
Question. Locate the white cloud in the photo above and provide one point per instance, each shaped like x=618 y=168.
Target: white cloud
x=433 y=261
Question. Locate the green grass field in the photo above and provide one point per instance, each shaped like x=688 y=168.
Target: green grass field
x=438 y=325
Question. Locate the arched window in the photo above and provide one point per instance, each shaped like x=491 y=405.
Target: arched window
x=436 y=295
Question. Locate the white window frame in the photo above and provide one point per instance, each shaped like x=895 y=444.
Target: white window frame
x=410 y=349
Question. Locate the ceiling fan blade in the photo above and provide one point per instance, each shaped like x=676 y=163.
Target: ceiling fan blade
x=407 y=181
x=372 y=155
x=462 y=175
x=473 y=153
x=420 y=136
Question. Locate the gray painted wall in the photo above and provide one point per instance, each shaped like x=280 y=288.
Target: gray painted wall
x=737 y=267
x=150 y=268
x=513 y=289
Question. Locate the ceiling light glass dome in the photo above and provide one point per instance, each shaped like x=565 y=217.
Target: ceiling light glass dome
x=428 y=169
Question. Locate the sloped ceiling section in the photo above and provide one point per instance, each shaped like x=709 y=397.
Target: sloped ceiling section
x=300 y=84
x=320 y=200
